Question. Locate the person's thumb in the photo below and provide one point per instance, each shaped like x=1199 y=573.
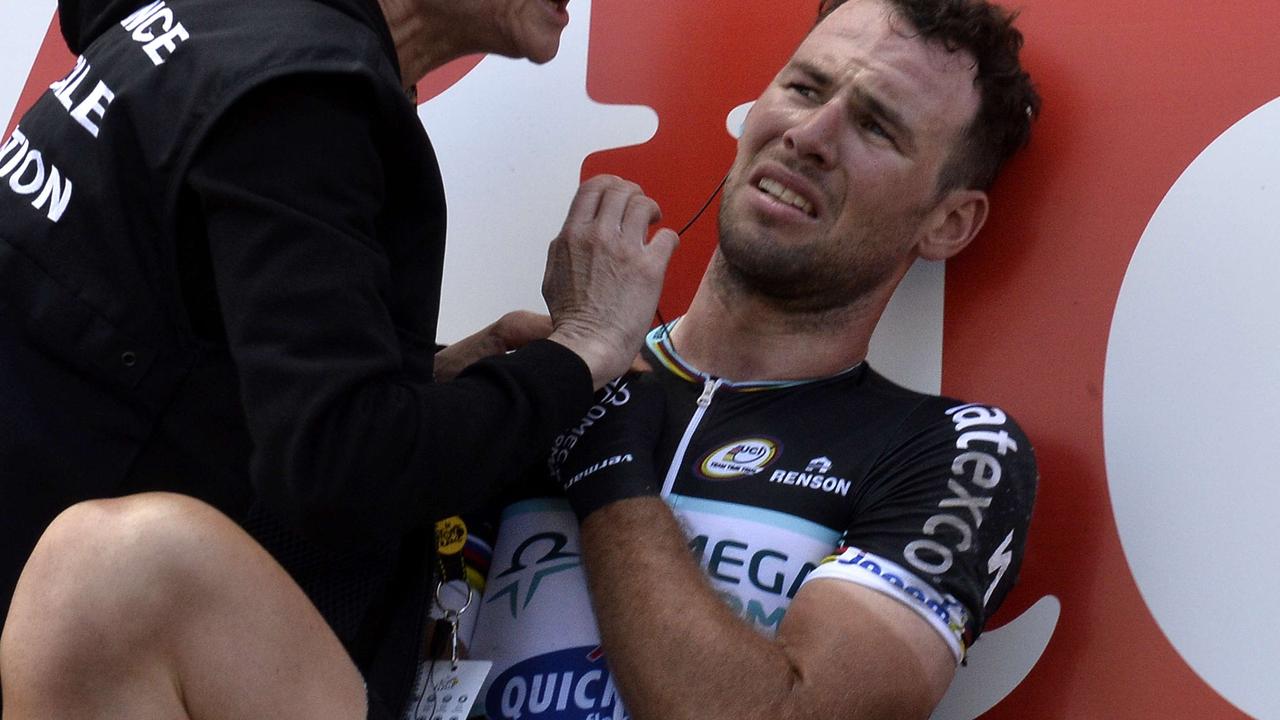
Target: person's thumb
x=663 y=244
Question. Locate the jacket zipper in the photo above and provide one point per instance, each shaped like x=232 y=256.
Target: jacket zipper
x=709 y=387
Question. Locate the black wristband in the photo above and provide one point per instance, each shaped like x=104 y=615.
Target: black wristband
x=612 y=478
x=608 y=455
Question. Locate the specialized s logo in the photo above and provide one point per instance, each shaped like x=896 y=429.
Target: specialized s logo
x=739 y=458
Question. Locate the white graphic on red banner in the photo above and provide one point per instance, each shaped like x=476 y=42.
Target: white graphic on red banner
x=22 y=30
x=511 y=137
x=1192 y=407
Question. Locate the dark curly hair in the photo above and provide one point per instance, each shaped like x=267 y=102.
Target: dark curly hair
x=1009 y=102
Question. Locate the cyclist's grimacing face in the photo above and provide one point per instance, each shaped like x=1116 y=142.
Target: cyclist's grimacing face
x=839 y=157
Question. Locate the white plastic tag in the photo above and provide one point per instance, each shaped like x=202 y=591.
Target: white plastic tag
x=445 y=690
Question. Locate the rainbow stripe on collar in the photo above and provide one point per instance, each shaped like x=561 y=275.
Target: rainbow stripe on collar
x=659 y=343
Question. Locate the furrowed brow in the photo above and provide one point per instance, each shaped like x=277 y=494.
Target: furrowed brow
x=883 y=111
x=813 y=73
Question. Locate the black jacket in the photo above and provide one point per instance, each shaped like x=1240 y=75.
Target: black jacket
x=221 y=241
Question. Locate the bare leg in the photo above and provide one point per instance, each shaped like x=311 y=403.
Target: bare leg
x=157 y=607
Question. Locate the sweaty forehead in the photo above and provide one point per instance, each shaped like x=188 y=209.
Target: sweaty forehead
x=864 y=41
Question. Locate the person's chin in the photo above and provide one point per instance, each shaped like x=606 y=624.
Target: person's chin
x=544 y=52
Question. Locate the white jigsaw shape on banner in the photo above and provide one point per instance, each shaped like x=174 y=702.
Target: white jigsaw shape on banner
x=511 y=137
x=999 y=661
x=1190 y=411
x=22 y=29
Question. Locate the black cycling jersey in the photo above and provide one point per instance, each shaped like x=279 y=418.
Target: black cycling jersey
x=924 y=497
x=851 y=477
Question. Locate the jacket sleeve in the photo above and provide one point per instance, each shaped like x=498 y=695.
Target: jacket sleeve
x=351 y=437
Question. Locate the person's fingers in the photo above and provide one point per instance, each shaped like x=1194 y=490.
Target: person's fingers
x=613 y=204
x=521 y=327
x=641 y=212
x=586 y=201
x=663 y=244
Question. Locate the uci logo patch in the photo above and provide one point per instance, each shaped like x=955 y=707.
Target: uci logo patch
x=739 y=458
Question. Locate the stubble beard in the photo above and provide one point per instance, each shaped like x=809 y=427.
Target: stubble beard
x=823 y=275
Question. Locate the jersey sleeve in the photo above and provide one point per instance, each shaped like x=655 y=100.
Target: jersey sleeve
x=943 y=523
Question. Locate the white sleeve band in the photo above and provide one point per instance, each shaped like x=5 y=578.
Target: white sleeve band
x=944 y=613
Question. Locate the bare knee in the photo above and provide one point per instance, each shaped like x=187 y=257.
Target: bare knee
x=158 y=606
x=104 y=580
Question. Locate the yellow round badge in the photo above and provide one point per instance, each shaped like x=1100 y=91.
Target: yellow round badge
x=451 y=535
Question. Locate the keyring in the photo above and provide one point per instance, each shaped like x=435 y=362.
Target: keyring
x=447 y=610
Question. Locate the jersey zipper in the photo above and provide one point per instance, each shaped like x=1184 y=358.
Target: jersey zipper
x=709 y=387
